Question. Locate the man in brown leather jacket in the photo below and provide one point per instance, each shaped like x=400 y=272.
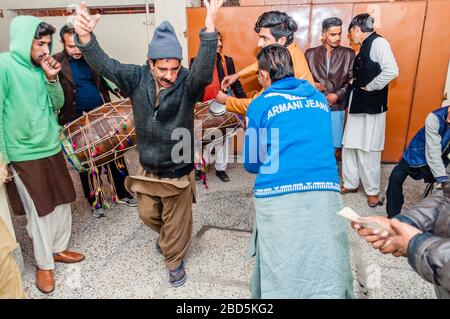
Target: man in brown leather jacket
x=422 y=234
x=332 y=67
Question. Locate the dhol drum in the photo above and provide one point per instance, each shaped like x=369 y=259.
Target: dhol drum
x=100 y=136
x=213 y=123
x=212 y=126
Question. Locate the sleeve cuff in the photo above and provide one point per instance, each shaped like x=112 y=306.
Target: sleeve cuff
x=208 y=36
x=414 y=246
x=52 y=82
x=442 y=179
x=369 y=87
x=229 y=104
x=405 y=219
x=88 y=45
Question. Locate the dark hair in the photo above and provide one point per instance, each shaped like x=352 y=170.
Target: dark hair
x=276 y=60
x=365 y=21
x=44 y=29
x=67 y=28
x=331 y=22
x=279 y=23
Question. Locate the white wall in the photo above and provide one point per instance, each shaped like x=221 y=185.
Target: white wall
x=123 y=37
x=173 y=11
x=32 y=4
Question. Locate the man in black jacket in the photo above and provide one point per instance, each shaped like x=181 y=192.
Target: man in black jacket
x=84 y=90
x=224 y=67
x=163 y=95
x=364 y=133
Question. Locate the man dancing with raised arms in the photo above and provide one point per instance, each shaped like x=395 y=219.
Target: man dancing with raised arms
x=163 y=94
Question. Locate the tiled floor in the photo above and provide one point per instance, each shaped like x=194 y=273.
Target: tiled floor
x=122 y=262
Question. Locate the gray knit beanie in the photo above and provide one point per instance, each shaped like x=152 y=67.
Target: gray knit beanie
x=165 y=44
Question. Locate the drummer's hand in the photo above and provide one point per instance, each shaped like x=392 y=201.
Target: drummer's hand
x=222 y=97
x=212 y=8
x=228 y=80
x=84 y=23
x=51 y=67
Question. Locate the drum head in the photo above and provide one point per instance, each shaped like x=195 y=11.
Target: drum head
x=217 y=109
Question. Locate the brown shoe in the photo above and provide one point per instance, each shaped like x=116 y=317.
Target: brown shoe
x=45 y=281
x=345 y=190
x=68 y=257
x=373 y=200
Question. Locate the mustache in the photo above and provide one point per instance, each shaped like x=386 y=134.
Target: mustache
x=167 y=81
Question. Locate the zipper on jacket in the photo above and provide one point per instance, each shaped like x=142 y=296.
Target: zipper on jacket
x=152 y=133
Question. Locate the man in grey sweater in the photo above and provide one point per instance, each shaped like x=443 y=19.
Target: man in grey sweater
x=163 y=94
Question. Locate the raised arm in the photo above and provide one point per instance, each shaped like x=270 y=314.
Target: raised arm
x=201 y=71
x=125 y=76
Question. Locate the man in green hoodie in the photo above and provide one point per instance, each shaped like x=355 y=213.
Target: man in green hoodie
x=30 y=94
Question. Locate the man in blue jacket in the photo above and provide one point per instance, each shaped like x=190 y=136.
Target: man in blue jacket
x=300 y=244
x=426 y=157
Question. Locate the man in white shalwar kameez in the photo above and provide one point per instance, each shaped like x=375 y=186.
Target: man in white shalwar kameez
x=364 y=134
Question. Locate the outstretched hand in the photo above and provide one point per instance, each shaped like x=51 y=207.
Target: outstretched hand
x=376 y=237
x=229 y=80
x=212 y=9
x=84 y=23
x=393 y=240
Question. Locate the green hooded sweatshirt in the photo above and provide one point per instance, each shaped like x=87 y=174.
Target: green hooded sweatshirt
x=28 y=102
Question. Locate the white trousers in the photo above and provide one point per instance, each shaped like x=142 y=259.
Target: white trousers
x=361 y=165
x=51 y=233
x=221 y=156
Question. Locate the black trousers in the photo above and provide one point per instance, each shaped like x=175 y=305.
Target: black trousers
x=394 y=194
x=118 y=180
